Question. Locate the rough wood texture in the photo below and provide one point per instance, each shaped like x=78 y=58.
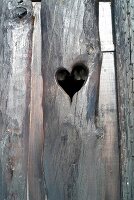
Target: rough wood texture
x=75 y=162
x=15 y=59
x=108 y=103
x=36 y=135
x=124 y=34
x=108 y=122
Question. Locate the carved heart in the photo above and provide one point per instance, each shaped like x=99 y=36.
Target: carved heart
x=72 y=82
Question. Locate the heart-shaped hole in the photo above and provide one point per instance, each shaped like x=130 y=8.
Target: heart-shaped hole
x=72 y=82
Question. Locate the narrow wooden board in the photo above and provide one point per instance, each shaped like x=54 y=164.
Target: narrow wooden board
x=36 y=135
x=124 y=37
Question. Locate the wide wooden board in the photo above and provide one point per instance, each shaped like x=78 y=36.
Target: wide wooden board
x=15 y=61
x=78 y=156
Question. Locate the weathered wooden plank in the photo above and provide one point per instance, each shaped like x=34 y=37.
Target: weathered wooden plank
x=15 y=58
x=75 y=162
x=108 y=105
x=108 y=122
x=124 y=26
x=36 y=135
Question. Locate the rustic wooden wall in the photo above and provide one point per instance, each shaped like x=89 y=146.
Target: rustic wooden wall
x=123 y=16
x=76 y=164
x=50 y=147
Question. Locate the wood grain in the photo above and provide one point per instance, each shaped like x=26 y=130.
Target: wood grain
x=75 y=164
x=124 y=38
x=52 y=148
x=36 y=135
x=15 y=59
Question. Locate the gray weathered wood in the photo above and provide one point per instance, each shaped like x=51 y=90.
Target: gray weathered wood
x=124 y=34
x=108 y=122
x=15 y=59
x=75 y=162
x=108 y=103
x=36 y=135
x=80 y=160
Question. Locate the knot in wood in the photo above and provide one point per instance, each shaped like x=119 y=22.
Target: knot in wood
x=20 y=12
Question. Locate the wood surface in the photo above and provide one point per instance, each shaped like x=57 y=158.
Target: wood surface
x=53 y=147
x=80 y=159
x=123 y=18
x=36 y=136
x=108 y=102
x=15 y=82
